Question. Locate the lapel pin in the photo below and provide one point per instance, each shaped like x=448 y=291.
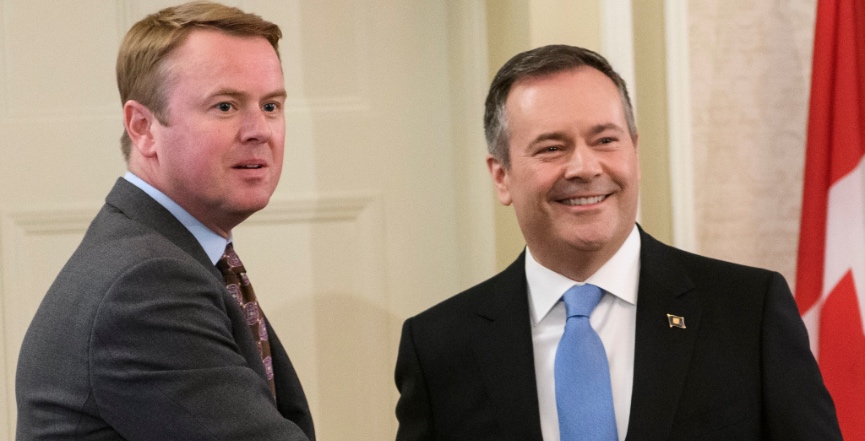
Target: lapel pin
x=676 y=321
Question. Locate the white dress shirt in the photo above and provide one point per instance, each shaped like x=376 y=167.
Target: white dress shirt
x=614 y=319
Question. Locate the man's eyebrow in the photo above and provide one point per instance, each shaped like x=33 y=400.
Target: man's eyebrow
x=281 y=94
x=233 y=93
x=228 y=92
x=551 y=136
x=600 y=128
x=561 y=136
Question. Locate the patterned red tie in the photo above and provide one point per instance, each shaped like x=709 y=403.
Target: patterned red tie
x=238 y=285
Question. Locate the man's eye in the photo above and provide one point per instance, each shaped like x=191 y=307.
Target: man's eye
x=223 y=107
x=607 y=140
x=270 y=107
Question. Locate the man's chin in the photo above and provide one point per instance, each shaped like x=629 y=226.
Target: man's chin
x=587 y=245
x=589 y=237
x=241 y=211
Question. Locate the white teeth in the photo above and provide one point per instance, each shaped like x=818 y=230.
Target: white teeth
x=584 y=201
x=250 y=166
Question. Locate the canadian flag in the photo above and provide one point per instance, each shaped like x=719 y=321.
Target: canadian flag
x=830 y=280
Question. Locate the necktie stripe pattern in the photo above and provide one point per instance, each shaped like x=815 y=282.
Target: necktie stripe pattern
x=584 y=397
x=240 y=288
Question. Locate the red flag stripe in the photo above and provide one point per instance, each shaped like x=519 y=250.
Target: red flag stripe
x=812 y=235
x=842 y=357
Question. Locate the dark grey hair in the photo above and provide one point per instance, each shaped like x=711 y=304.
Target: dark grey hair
x=534 y=63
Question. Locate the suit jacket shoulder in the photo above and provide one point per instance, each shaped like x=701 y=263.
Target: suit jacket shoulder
x=739 y=367
x=140 y=319
x=491 y=297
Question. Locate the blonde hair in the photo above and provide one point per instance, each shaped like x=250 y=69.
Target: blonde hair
x=142 y=74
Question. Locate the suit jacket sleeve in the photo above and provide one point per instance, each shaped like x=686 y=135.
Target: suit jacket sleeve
x=413 y=408
x=167 y=366
x=797 y=405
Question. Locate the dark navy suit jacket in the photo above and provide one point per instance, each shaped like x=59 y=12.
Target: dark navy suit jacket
x=740 y=370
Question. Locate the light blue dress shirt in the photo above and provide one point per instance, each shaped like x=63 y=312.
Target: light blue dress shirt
x=213 y=244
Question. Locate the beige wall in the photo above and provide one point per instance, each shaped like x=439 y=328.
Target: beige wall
x=750 y=73
x=385 y=159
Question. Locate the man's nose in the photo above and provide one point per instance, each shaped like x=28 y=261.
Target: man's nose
x=256 y=127
x=583 y=163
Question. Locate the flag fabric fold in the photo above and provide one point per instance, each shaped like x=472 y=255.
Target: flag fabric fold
x=830 y=278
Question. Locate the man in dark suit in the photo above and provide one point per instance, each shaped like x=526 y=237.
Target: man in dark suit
x=141 y=336
x=689 y=347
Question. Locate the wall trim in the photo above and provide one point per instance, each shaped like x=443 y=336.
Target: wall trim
x=617 y=45
x=313 y=208
x=617 y=41
x=300 y=209
x=679 y=117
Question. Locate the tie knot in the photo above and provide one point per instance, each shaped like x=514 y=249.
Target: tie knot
x=230 y=262
x=580 y=300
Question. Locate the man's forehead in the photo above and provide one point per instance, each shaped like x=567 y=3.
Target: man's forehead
x=212 y=38
x=205 y=52
x=542 y=78
x=569 y=89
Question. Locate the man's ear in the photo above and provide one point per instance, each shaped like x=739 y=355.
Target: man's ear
x=501 y=180
x=139 y=121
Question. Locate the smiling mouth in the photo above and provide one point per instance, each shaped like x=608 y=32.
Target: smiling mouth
x=250 y=166
x=583 y=201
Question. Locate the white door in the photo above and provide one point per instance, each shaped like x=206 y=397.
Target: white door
x=377 y=216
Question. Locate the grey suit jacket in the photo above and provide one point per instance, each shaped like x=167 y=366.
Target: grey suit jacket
x=138 y=339
x=740 y=370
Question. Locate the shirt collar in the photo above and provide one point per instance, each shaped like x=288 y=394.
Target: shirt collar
x=213 y=244
x=619 y=276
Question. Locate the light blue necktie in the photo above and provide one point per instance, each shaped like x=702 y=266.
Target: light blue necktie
x=584 y=397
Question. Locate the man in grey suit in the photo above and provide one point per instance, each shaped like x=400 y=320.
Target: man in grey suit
x=139 y=337
x=687 y=347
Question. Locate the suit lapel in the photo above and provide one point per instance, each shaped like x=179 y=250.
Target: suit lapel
x=139 y=206
x=662 y=352
x=503 y=347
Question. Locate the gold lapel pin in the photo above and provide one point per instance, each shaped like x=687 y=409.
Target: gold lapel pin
x=676 y=321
